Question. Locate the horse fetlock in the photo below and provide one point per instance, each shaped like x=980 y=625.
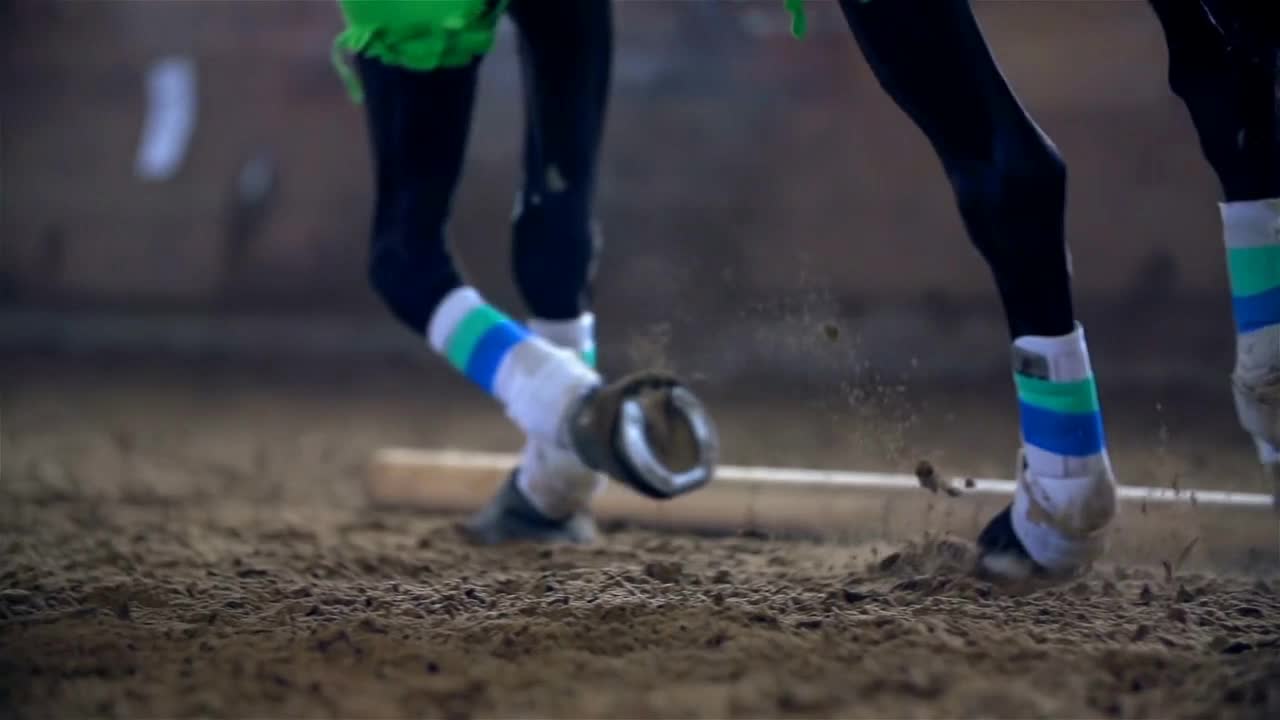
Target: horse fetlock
x=1076 y=507
x=1063 y=523
x=1064 y=533
x=1255 y=384
x=555 y=480
x=1258 y=411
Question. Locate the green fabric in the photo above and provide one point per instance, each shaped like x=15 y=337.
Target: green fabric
x=414 y=34
x=464 y=337
x=455 y=14
x=799 y=23
x=1079 y=396
x=1253 y=270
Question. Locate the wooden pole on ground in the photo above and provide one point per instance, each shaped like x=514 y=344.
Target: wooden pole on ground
x=1230 y=530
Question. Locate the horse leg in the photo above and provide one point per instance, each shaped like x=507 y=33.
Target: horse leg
x=1224 y=67
x=565 y=53
x=566 y=50
x=418 y=123
x=1010 y=185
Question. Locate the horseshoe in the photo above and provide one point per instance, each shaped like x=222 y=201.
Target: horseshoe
x=654 y=477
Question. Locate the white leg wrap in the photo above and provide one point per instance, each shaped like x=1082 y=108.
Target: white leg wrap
x=538 y=384
x=1251 y=234
x=1063 y=521
x=1066 y=495
x=552 y=478
x=1256 y=384
x=555 y=481
x=578 y=335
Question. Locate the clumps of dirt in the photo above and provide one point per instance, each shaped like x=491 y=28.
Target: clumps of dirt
x=266 y=593
x=930 y=480
x=214 y=610
x=929 y=556
x=664 y=572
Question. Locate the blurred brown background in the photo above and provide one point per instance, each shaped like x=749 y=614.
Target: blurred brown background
x=755 y=188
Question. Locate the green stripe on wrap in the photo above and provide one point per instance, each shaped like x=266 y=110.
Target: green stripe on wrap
x=464 y=338
x=1078 y=396
x=1253 y=270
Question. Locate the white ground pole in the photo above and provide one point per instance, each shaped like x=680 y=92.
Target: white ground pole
x=1233 y=529
x=503 y=462
x=169 y=120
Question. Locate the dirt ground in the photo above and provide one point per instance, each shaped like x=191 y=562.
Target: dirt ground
x=193 y=542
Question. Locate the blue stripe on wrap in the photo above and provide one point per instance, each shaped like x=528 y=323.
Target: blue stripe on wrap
x=490 y=349
x=1254 y=312
x=1072 y=434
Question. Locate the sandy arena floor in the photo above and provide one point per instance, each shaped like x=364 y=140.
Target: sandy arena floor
x=194 y=544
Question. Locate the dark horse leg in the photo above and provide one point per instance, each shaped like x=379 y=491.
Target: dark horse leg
x=1223 y=63
x=418 y=124
x=1223 y=67
x=566 y=50
x=1010 y=185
